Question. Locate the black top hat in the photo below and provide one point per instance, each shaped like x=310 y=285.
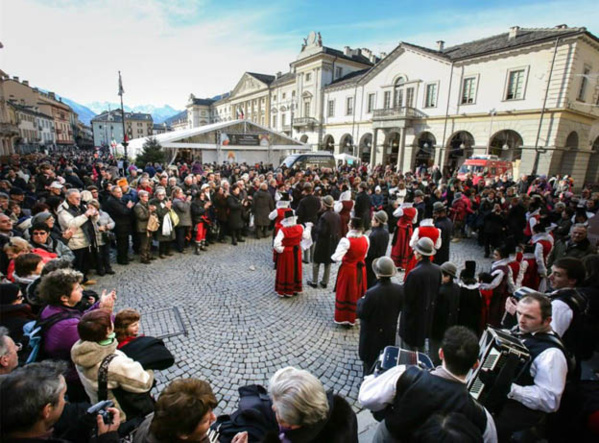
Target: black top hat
x=470 y=270
x=285 y=197
x=288 y=214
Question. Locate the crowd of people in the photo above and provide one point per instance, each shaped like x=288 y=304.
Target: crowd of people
x=391 y=234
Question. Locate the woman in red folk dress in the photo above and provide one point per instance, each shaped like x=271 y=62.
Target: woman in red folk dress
x=351 y=278
x=277 y=215
x=542 y=242
x=426 y=229
x=344 y=208
x=287 y=244
x=401 y=252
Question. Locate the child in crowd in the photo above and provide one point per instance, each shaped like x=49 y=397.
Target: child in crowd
x=126 y=326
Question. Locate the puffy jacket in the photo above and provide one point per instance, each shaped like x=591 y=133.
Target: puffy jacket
x=67 y=220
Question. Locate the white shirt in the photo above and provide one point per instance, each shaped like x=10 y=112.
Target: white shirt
x=549 y=371
x=343 y=245
x=376 y=393
x=561 y=317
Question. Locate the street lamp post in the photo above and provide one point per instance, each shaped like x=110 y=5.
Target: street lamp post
x=121 y=92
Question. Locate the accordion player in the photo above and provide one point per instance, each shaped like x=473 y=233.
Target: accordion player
x=502 y=359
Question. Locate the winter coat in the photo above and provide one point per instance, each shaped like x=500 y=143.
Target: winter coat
x=72 y=217
x=447 y=309
x=104 y=219
x=56 y=247
x=421 y=288
x=326 y=234
x=221 y=208
x=123 y=372
x=378 y=312
x=62 y=335
x=446 y=227
x=198 y=209
x=379 y=241
x=120 y=213
x=183 y=209
x=362 y=208
x=161 y=212
x=263 y=205
x=142 y=215
x=14 y=317
x=340 y=426
x=235 y=220
x=565 y=248
x=307 y=210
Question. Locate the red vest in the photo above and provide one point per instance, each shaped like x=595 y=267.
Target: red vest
x=293 y=235
x=358 y=247
x=407 y=217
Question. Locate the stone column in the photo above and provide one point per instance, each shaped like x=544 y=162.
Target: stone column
x=373 y=148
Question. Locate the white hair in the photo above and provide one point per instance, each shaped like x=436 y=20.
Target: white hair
x=298 y=397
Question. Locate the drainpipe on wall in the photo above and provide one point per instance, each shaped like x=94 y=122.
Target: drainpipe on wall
x=538 y=150
x=446 y=114
x=353 y=123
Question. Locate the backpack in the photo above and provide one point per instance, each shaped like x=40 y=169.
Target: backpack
x=36 y=330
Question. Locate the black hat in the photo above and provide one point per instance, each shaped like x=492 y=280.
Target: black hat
x=470 y=270
x=8 y=293
x=285 y=197
x=288 y=214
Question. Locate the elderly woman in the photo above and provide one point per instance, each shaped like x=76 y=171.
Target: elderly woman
x=98 y=344
x=183 y=412
x=62 y=292
x=164 y=237
x=182 y=207
x=306 y=412
x=104 y=226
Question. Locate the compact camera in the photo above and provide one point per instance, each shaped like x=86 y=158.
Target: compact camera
x=100 y=408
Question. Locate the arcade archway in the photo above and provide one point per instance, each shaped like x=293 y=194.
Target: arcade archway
x=328 y=144
x=425 y=153
x=365 y=147
x=507 y=145
x=460 y=147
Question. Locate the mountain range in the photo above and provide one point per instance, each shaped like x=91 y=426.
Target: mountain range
x=90 y=110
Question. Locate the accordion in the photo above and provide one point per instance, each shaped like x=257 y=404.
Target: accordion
x=502 y=359
x=394 y=356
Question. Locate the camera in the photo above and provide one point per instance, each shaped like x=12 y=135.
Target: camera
x=100 y=408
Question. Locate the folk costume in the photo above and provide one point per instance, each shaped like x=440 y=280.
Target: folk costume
x=426 y=229
x=401 y=252
x=289 y=255
x=344 y=208
x=502 y=289
x=277 y=215
x=351 y=278
x=543 y=244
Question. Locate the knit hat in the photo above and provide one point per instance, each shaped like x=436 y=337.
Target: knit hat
x=418 y=193
x=122 y=182
x=40 y=217
x=449 y=268
x=381 y=217
x=9 y=292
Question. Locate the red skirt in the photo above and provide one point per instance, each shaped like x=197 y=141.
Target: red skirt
x=351 y=285
x=531 y=278
x=200 y=232
x=289 y=271
x=401 y=251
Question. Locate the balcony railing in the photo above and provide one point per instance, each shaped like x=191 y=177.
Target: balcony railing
x=8 y=129
x=397 y=113
x=304 y=121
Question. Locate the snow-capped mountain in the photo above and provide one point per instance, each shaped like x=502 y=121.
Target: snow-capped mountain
x=159 y=114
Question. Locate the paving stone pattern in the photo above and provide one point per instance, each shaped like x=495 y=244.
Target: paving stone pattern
x=238 y=331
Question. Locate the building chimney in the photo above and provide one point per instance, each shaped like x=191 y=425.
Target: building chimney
x=383 y=55
x=513 y=32
x=26 y=82
x=279 y=74
x=563 y=26
x=372 y=58
x=52 y=95
x=15 y=78
x=440 y=45
x=346 y=51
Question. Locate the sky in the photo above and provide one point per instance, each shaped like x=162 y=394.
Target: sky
x=167 y=49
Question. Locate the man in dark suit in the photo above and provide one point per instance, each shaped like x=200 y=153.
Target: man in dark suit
x=421 y=289
x=363 y=205
x=307 y=211
x=378 y=311
x=379 y=241
x=443 y=223
x=121 y=213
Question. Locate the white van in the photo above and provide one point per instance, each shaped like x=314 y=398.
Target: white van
x=310 y=160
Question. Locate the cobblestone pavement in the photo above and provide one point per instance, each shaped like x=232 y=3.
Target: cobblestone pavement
x=224 y=322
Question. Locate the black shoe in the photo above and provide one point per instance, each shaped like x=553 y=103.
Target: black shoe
x=110 y=272
x=241 y=240
x=323 y=286
x=234 y=243
x=305 y=261
x=312 y=284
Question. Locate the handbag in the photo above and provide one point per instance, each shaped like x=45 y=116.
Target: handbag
x=133 y=404
x=174 y=217
x=153 y=223
x=108 y=237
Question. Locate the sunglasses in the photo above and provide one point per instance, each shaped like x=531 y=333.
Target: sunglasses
x=40 y=233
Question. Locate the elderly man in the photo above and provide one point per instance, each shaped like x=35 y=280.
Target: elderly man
x=9 y=358
x=577 y=245
x=76 y=218
x=142 y=211
x=121 y=212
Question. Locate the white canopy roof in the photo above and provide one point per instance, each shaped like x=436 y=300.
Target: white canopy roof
x=175 y=139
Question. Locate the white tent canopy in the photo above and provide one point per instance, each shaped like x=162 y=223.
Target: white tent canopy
x=213 y=141
x=346 y=158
